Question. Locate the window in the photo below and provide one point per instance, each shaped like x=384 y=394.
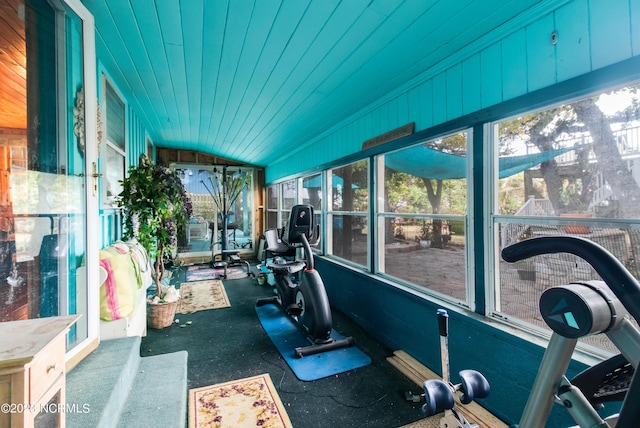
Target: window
x=347 y=216
x=212 y=189
x=422 y=215
x=312 y=194
x=572 y=169
x=289 y=192
x=115 y=150
x=272 y=206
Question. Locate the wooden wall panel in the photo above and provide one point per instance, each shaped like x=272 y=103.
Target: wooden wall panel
x=491 y=75
x=439 y=101
x=514 y=65
x=610 y=34
x=471 y=85
x=634 y=13
x=454 y=91
x=591 y=34
x=541 y=61
x=425 y=114
x=574 y=47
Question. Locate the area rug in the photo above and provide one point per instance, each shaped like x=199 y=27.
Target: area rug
x=202 y=295
x=204 y=272
x=287 y=335
x=248 y=402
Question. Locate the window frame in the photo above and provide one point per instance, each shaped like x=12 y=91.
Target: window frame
x=494 y=219
x=106 y=200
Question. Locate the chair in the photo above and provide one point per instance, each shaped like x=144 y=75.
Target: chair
x=198 y=228
x=275 y=246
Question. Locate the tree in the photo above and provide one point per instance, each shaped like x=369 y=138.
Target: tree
x=613 y=168
x=583 y=118
x=454 y=144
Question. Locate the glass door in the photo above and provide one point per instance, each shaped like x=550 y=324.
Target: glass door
x=48 y=110
x=222 y=198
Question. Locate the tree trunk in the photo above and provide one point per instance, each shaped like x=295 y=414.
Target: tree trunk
x=549 y=171
x=435 y=198
x=159 y=271
x=613 y=167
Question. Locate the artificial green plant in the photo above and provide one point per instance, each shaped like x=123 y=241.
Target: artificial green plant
x=156 y=208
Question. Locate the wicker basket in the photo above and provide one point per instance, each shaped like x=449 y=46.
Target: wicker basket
x=160 y=315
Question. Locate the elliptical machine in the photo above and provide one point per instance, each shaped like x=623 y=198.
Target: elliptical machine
x=300 y=290
x=580 y=309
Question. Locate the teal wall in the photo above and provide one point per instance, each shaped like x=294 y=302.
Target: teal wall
x=515 y=60
x=403 y=321
x=136 y=144
x=597 y=40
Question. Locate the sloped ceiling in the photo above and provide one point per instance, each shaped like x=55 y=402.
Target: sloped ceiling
x=251 y=80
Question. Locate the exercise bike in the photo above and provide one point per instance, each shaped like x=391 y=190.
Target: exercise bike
x=577 y=310
x=299 y=287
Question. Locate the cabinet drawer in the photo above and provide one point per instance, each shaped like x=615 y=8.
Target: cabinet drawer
x=45 y=369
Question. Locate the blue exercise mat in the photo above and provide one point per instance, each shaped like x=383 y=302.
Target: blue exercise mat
x=287 y=335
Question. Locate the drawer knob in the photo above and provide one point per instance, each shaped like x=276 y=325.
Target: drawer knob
x=52 y=367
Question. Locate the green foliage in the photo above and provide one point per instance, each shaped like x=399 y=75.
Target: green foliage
x=426 y=230
x=155 y=207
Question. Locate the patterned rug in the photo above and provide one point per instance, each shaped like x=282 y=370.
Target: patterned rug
x=202 y=295
x=249 y=402
x=204 y=272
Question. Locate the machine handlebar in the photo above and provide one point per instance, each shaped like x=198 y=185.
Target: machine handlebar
x=612 y=272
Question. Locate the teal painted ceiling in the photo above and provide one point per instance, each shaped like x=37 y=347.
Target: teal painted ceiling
x=253 y=80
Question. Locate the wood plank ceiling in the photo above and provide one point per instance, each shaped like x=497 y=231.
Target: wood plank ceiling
x=250 y=80
x=13 y=67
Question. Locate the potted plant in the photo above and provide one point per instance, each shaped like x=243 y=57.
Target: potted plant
x=156 y=208
x=425 y=234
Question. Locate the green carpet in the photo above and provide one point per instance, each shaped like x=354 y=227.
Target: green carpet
x=230 y=344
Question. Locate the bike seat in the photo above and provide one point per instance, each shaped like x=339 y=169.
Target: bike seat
x=287 y=268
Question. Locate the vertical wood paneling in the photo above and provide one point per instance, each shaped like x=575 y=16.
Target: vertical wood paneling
x=136 y=137
x=491 y=75
x=439 y=100
x=157 y=70
x=573 y=50
x=634 y=10
x=413 y=104
x=126 y=37
x=391 y=115
x=425 y=113
x=192 y=23
x=225 y=68
x=454 y=91
x=610 y=32
x=514 y=65
x=471 y=85
x=363 y=128
x=215 y=13
x=403 y=110
x=541 y=69
x=173 y=47
x=520 y=62
x=260 y=25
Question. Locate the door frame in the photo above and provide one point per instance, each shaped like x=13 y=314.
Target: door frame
x=85 y=346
